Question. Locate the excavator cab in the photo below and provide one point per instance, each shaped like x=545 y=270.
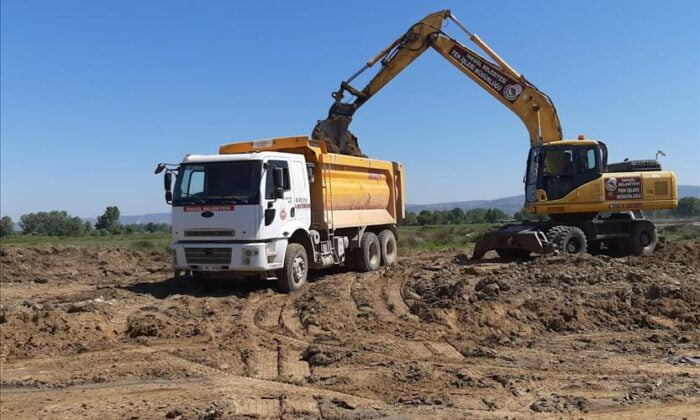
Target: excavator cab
x=558 y=168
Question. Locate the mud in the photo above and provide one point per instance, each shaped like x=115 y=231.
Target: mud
x=321 y=133
x=109 y=333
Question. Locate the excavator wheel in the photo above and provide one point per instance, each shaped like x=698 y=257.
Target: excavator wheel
x=643 y=239
x=567 y=240
x=511 y=254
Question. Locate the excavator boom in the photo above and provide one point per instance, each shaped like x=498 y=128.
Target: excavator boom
x=499 y=79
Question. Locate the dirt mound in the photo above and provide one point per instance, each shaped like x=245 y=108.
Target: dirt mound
x=30 y=329
x=324 y=131
x=567 y=294
x=44 y=265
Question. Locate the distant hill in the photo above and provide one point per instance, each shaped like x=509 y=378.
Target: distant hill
x=513 y=204
x=689 y=191
x=509 y=205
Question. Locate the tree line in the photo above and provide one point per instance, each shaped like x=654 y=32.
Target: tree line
x=60 y=223
x=688 y=208
x=455 y=216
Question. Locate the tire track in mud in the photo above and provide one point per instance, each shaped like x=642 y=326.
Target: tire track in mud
x=393 y=296
x=273 y=318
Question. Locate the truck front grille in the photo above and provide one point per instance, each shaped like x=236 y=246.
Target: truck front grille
x=213 y=232
x=208 y=256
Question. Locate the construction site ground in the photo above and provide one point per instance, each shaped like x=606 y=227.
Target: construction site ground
x=109 y=333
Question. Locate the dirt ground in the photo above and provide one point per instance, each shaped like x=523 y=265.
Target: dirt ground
x=108 y=333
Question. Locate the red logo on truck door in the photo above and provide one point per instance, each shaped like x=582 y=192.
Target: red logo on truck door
x=283 y=214
x=209 y=208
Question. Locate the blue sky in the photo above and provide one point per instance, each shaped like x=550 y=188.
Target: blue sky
x=95 y=93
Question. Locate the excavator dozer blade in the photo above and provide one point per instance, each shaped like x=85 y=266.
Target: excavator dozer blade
x=523 y=237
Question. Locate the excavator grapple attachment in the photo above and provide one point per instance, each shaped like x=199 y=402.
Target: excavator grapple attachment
x=513 y=237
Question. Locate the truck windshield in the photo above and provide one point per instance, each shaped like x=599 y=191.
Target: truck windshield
x=218 y=183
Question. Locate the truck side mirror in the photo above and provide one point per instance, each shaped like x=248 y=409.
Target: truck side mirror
x=167 y=180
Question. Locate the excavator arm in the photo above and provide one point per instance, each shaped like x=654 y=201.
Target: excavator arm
x=499 y=79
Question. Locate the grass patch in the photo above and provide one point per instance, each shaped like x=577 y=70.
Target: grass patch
x=679 y=231
x=136 y=241
x=441 y=237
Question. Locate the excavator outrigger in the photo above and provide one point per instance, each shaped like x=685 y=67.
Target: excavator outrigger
x=590 y=203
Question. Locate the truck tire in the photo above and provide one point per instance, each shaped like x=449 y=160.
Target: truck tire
x=567 y=240
x=513 y=253
x=296 y=269
x=369 y=256
x=643 y=239
x=387 y=244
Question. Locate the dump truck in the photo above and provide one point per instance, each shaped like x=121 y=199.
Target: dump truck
x=276 y=208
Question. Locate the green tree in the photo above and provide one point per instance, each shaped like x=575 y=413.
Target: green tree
x=7 y=226
x=440 y=217
x=410 y=220
x=52 y=223
x=455 y=216
x=688 y=207
x=425 y=217
x=476 y=215
x=109 y=220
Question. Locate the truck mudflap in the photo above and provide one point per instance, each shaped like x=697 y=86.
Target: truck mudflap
x=524 y=237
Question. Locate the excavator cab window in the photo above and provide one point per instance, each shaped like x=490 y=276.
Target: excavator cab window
x=559 y=170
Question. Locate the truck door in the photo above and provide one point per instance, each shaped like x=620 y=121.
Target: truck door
x=300 y=189
x=276 y=211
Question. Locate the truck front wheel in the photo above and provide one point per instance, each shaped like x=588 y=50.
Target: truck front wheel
x=296 y=268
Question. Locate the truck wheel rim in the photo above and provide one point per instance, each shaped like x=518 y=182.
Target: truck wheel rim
x=298 y=268
x=390 y=248
x=373 y=253
x=572 y=246
x=644 y=239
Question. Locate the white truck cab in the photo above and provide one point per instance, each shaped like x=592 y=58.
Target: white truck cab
x=229 y=215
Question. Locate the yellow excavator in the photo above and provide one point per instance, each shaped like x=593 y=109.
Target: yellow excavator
x=590 y=203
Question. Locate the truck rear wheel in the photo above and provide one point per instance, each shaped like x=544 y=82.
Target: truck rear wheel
x=567 y=240
x=296 y=268
x=643 y=239
x=387 y=244
x=369 y=256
